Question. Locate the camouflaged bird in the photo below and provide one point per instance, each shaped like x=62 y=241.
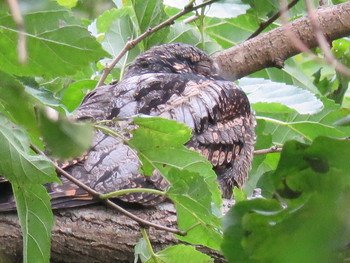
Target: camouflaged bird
x=174 y=81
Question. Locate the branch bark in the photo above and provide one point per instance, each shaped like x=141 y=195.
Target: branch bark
x=95 y=234
x=274 y=47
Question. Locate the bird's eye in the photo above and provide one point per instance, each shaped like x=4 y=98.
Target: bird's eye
x=204 y=68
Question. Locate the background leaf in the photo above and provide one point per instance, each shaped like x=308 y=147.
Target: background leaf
x=57 y=45
x=26 y=173
x=183 y=253
x=312 y=183
x=261 y=90
x=64 y=138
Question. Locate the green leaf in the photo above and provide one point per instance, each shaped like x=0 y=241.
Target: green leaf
x=230 y=32
x=12 y=94
x=75 y=93
x=261 y=90
x=181 y=32
x=164 y=149
x=161 y=132
x=193 y=182
x=64 y=138
x=142 y=251
x=227 y=9
x=36 y=219
x=343 y=121
x=170 y=152
x=311 y=210
x=57 y=45
x=286 y=126
x=309 y=129
x=192 y=200
x=22 y=167
x=26 y=173
x=222 y=9
x=183 y=253
x=67 y=3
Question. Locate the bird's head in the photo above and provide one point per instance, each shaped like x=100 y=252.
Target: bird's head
x=175 y=58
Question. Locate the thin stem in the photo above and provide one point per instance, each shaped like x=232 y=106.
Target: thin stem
x=148 y=243
x=272 y=149
x=272 y=19
x=132 y=190
x=131 y=43
x=191 y=227
x=108 y=202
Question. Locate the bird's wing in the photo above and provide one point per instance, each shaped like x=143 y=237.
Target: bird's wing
x=217 y=111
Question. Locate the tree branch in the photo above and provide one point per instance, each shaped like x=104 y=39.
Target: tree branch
x=274 y=47
x=97 y=234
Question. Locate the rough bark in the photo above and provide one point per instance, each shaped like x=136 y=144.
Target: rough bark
x=274 y=47
x=95 y=234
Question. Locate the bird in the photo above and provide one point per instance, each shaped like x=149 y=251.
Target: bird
x=175 y=81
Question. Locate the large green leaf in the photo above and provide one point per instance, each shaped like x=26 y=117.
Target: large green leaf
x=27 y=172
x=57 y=45
x=75 y=93
x=12 y=94
x=65 y=138
x=193 y=186
x=261 y=90
x=17 y=164
x=286 y=126
x=307 y=222
x=164 y=150
x=36 y=219
x=192 y=199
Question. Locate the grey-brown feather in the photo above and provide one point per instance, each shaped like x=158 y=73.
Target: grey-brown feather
x=175 y=81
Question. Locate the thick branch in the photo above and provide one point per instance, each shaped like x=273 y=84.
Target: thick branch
x=95 y=234
x=273 y=48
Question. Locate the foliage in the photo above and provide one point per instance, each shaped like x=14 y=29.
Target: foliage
x=304 y=216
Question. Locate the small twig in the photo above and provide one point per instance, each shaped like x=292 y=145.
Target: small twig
x=272 y=149
x=18 y=18
x=132 y=190
x=108 y=202
x=268 y=22
x=323 y=43
x=191 y=19
x=131 y=43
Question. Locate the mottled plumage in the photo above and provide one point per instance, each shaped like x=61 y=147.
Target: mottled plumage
x=175 y=81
